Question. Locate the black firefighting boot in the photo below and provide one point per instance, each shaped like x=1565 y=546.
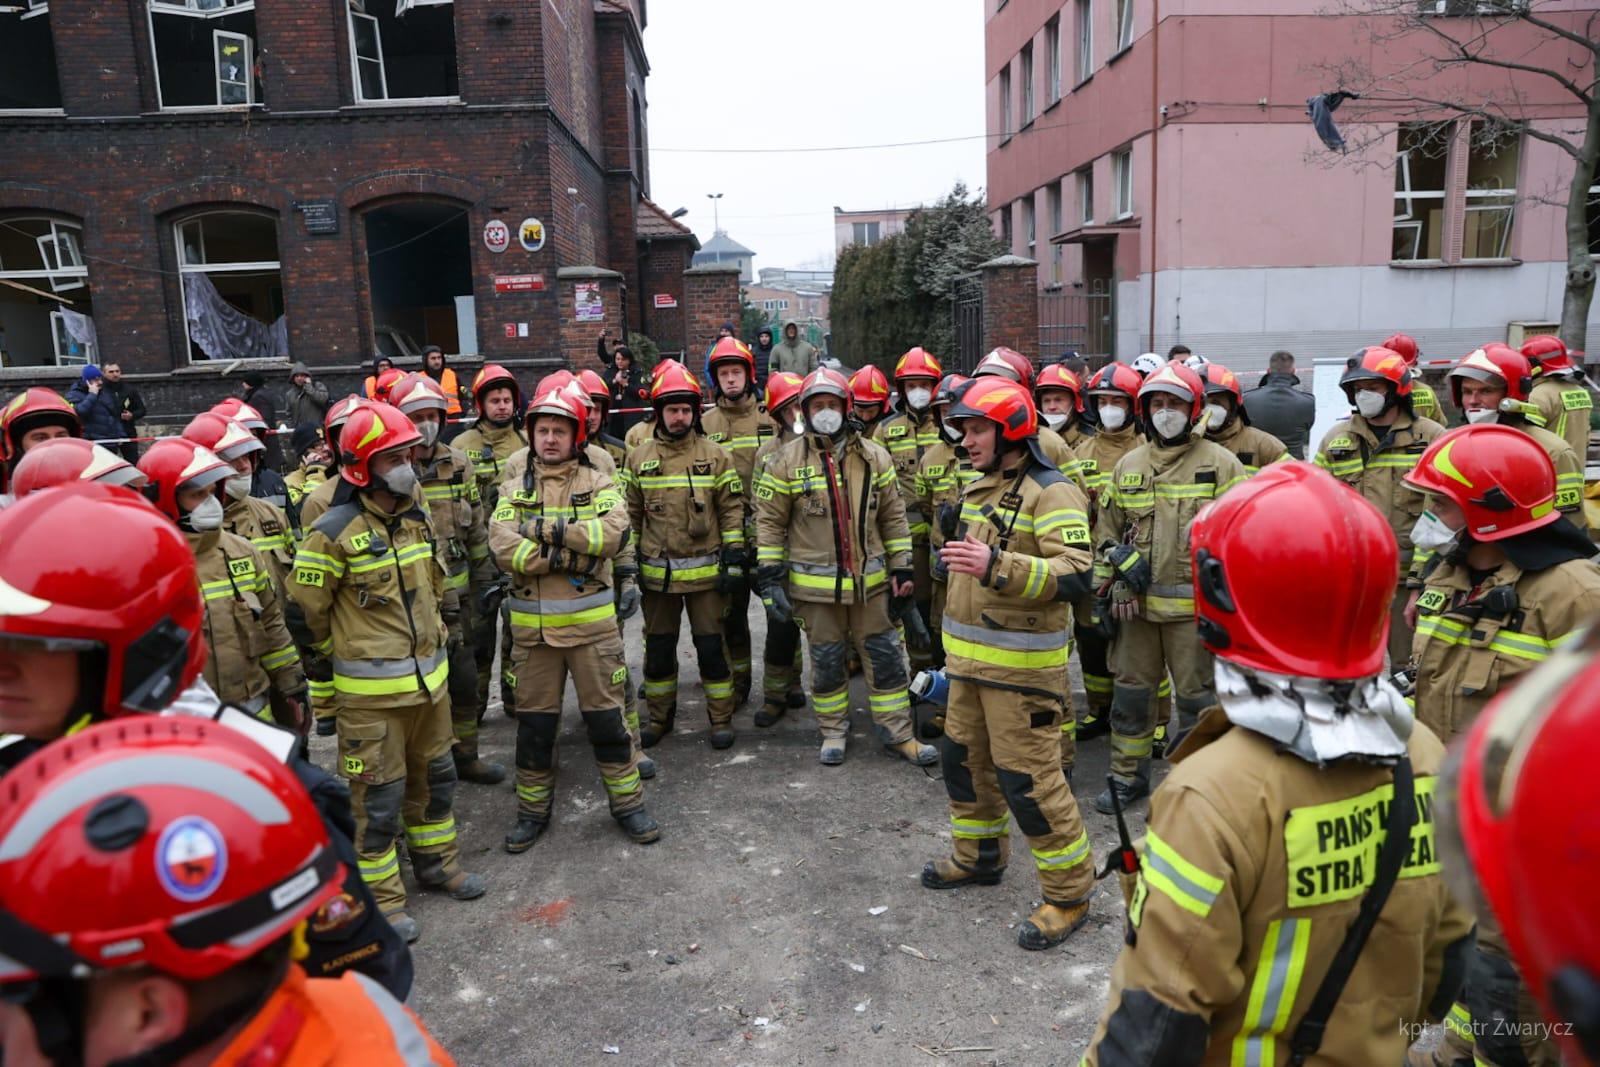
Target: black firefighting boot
x=946 y=873
x=653 y=731
x=639 y=826
x=1050 y=924
x=770 y=713
x=1128 y=793
x=524 y=834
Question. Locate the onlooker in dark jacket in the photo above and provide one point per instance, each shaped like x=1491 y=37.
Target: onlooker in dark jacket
x=255 y=394
x=763 y=353
x=308 y=398
x=627 y=391
x=130 y=405
x=1280 y=407
x=98 y=409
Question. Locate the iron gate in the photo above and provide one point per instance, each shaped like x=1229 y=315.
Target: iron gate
x=966 y=314
x=1083 y=321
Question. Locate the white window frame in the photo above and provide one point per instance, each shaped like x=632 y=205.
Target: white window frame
x=1025 y=67
x=1508 y=207
x=1406 y=217
x=1052 y=47
x=172 y=7
x=58 y=276
x=358 y=9
x=1124 y=24
x=866 y=239
x=1005 y=101
x=1122 y=183
x=193 y=8
x=206 y=267
x=1031 y=222
x=217 y=39
x=402 y=6
x=61 y=341
x=1083 y=14
x=1086 y=196
x=356 y=58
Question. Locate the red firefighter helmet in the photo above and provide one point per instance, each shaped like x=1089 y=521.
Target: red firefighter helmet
x=676 y=385
x=1295 y=525
x=1220 y=381
x=338 y=414
x=95 y=569
x=383 y=388
x=1517 y=830
x=951 y=386
x=1547 y=353
x=1057 y=376
x=1179 y=381
x=1116 y=379
x=1003 y=402
x=917 y=363
x=596 y=389
x=1404 y=344
x=172 y=843
x=869 y=386
x=175 y=464
x=1501 y=478
x=31 y=409
x=1496 y=364
x=373 y=428
x=494 y=376
x=662 y=367
x=731 y=349
x=565 y=403
x=226 y=437
x=1008 y=363
x=1378 y=365
x=242 y=413
x=782 y=387
x=825 y=382
x=418 y=392
x=69 y=459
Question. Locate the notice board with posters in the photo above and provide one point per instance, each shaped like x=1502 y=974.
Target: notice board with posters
x=587 y=303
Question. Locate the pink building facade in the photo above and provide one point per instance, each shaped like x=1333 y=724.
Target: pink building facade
x=1159 y=151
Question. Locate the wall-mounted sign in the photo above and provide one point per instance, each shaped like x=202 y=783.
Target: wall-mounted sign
x=321 y=216
x=496 y=236
x=666 y=300
x=511 y=329
x=587 y=302
x=531 y=235
x=519 y=283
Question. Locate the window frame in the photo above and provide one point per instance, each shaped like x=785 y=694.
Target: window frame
x=1005 y=103
x=1026 y=73
x=1052 y=47
x=166 y=7
x=57 y=278
x=1410 y=220
x=1124 y=25
x=1122 y=182
x=1509 y=195
x=1084 y=10
x=1085 y=184
x=1053 y=197
x=217 y=39
x=206 y=267
x=356 y=58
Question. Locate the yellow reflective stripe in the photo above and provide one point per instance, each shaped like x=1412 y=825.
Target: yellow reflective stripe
x=458 y=580
x=216 y=590
x=404 y=558
x=406 y=683
x=733 y=537
x=1003 y=657
x=1189 y=887
x=576 y=618
x=325 y=646
x=666 y=481
x=270 y=544
x=979 y=829
x=306 y=559
x=1459 y=1022
x=692 y=574
x=888 y=703
x=1273 y=991
x=772 y=554
x=519 y=558
x=802 y=580
x=533 y=794
x=901 y=544
x=883 y=479
x=594 y=534
x=1187 y=491
x=1398 y=462
x=478 y=553
x=281 y=658
x=1169 y=605
x=831 y=703
x=432 y=833
x=376 y=870
x=729 y=477
x=1076 y=851
x=1038 y=571
x=627 y=783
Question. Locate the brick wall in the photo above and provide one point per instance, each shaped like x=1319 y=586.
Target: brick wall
x=710 y=298
x=662 y=265
x=578 y=338
x=1011 y=305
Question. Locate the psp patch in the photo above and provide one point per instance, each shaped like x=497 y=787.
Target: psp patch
x=191 y=858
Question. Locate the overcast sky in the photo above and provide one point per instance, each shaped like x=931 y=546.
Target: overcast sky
x=802 y=75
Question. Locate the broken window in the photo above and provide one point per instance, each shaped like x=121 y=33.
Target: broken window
x=419 y=263
x=403 y=50
x=204 y=53
x=1491 y=192
x=1420 y=176
x=28 y=80
x=45 y=307
x=232 y=286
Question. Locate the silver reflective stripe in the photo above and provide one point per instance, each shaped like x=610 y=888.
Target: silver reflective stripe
x=1183 y=591
x=828 y=570
x=686 y=563
x=1271 y=1001
x=1020 y=642
x=386 y=668
x=202 y=776
x=408 y=1039
x=562 y=607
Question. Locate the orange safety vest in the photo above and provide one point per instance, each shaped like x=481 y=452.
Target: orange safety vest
x=452 y=391
x=371 y=388
x=333 y=1022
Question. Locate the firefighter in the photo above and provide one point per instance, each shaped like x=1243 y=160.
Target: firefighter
x=943 y=474
x=600 y=417
x=1022 y=552
x=1013 y=365
x=686 y=504
x=370 y=581
x=555 y=533
x=735 y=422
x=1373 y=450
x=157 y=886
x=313 y=463
x=265 y=481
x=1513 y=584
x=31 y=417
x=1560 y=392
x=1522 y=785
x=1142 y=528
x=834 y=552
x=258 y=521
x=1228 y=424
x=455 y=511
x=251 y=661
x=1113 y=390
x=1424 y=401
x=1491 y=385
x=70 y=459
x=1264 y=841
x=1059 y=396
x=869 y=399
x=782 y=659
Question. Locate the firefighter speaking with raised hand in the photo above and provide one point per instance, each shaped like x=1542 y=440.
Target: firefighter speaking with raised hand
x=1373 y=450
x=1512 y=584
x=1142 y=528
x=782 y=659
x=735 y=422
x=1560 y=391
x=834 y=550
x=1009 y=363
x=261 y=523
x=371 y=584
x=686 y=506
x=908 y=434
x=1228 y=424
x=943 y=474
x=251 y=661
x=455 y=511
x=557 y=529
x=1273 y=846
x=1021 y=554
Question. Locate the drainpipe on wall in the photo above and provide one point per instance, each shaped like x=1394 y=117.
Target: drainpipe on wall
x=1156 y=121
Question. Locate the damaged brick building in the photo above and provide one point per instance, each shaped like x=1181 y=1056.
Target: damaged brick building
x=189 y=183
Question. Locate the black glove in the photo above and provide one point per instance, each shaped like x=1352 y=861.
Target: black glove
x=948 y=516
x=545 y=531
x=730 y=572
x=1131 y=566
x=1101 y=621
x=779 y=611
x=896 y=577
x=628 y=600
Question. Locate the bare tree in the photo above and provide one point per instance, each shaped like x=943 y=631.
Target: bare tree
x=1530 y=62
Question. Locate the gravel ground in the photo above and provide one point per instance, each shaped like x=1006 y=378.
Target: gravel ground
x=779 y=919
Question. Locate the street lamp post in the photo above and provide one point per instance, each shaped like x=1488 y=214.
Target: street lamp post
x=716 y=214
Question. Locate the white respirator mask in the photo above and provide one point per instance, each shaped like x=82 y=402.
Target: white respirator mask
x=238 y=486
x=1216 y=417
x=1170 y=423
x=1482 y=415
x=1113 y=417
x=402 y=480
x=1055 y=420
x=429 y=432
x=1431 y=534
x=919 y=398
x=1371 y=403
x=206 y=515
x=828 y=422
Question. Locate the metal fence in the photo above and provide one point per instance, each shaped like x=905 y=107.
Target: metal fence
x=966 y=315
x=1083 y=321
